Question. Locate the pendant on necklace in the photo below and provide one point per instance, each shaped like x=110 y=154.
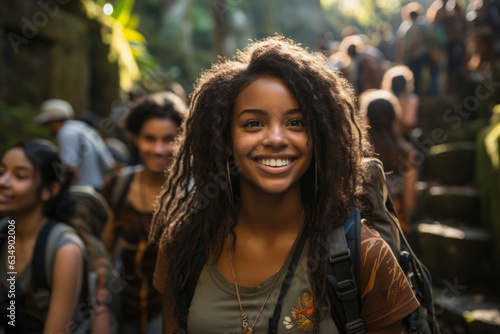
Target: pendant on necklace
x=244 y=324
x=247 y=330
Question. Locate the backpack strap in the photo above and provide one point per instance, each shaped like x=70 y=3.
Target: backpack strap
x=48 y=242
x=120 y=188
x=297 y=252
x=344 y=280
x=187 y=293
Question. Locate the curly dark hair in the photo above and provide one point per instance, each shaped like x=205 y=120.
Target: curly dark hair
x=158 y=105
x=195 y=213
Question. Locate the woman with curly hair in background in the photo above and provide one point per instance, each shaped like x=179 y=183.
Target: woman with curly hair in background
x=264 y=129
x=153 y=123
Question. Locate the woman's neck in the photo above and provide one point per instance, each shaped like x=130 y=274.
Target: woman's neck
x=28 y=224
x=271 y=213
x=152 y=179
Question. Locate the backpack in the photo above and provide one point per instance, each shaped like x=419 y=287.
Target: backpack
x=121 y=186
x=51 y=238
x=343 y=273
x=345 y=261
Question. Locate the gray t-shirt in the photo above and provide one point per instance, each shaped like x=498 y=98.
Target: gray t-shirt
x=82 y=147
x=215 y=308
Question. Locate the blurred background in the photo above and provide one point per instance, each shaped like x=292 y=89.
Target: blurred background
x=101 y=55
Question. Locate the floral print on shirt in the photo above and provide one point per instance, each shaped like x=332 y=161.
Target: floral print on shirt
x=302 y=316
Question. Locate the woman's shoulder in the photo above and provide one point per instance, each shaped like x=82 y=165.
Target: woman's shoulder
x=386 y=296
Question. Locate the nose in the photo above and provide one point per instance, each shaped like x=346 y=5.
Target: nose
x=159 y=148
x=5 y=180
x=276 y=137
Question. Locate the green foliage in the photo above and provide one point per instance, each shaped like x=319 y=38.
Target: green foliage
x=367 y=14
x=17 y=124
x=488 y=181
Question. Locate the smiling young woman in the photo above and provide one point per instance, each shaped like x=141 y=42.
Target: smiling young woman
x=153 y=123
x=289 y=125
x=34 y=194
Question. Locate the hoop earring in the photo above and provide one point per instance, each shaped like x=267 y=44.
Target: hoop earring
x=315 y=181
x=231 y=197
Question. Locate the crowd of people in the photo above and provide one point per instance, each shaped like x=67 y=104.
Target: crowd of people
x=265 y=162
x=441 y=46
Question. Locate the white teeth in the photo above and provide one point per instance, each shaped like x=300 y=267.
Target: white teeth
x=274 y=163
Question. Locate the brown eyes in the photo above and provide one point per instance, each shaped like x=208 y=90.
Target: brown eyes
x=254 y=123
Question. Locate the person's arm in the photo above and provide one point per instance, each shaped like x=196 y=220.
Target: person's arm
x=169 y=320
x=67 y=277
x=410 y=112
x=109 y=237
x=410 y=192
x=101 y=321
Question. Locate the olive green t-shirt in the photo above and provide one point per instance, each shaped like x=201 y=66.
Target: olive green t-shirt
x=385 y=295
x=215 y=307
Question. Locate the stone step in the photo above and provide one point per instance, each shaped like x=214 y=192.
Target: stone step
x=449 y=202
x=433 y=132
x=450 y=163
x=461 y=255
x=459 y=310
x=450 y=119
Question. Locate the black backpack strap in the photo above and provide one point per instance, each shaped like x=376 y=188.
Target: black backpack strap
x=297 y=252
x=344 y=280
x=187 y=293
x=39 y=271
x=121 y=186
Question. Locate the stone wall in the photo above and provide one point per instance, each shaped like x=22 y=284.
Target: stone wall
x=53 y=49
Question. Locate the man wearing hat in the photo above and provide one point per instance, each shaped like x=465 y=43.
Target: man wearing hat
x=80 y=146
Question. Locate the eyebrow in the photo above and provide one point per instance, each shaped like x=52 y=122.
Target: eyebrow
x=263 y=113
x=26 y=168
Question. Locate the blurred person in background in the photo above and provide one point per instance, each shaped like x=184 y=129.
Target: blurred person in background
x=177 y=89
x=80 y=146
x=399 y=81
x=484 y=16
x=384 y=40
x=415 y=39
x=90 y=216
x=382 y=112
x=34 y=194
x=362 y=69
x=154 y=122
x=450 y=31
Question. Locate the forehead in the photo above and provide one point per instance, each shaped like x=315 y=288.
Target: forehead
x=16 y=158
x=158 y=126
x=266 y=93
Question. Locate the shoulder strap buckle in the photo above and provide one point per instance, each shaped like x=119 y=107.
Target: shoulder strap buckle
x=355 y=327
x=346 y=290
